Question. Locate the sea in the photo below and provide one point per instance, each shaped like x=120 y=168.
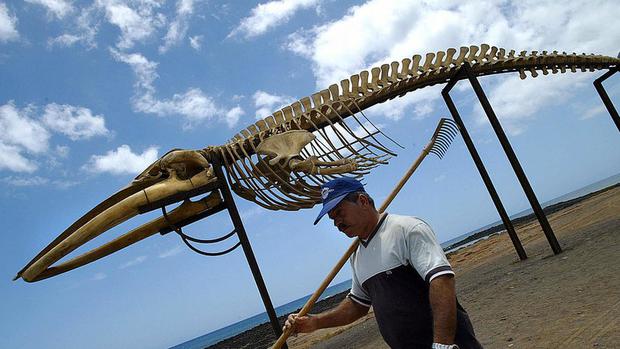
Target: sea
x=244 y=325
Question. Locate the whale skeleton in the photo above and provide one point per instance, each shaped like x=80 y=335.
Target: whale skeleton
x=279 y=162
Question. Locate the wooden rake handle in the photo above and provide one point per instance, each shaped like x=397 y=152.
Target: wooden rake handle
x=443 y=135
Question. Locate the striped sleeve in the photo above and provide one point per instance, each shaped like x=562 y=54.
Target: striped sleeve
x=357 y=293
x=425 y=253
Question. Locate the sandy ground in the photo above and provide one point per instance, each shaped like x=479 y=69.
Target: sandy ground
x=570 y=300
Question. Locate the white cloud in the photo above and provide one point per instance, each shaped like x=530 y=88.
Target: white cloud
x=19 y=129
x=417 y=106
x=36 y=181
x=194 y=105
x=84 y=30
x=268 y=15
x=25 y=181
x=178 y=27
x=64 y=40
x=267 y=103
x=75 y=122
x=526 y=97
x=62 y=151
x=171 y=252
x=8 y=23
x=592 y=112
x=122 y=161
x=252 y=212
x=232 y=116
x=99 y=276
x=58 y=8
x=418 y=27
x=136 y=23
x=11 y=159
x=20 y=134
x=440 y=178
x=196 y=42
x=133 y=262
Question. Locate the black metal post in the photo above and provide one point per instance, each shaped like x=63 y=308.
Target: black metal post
x=482 y=170
x=598 y=84
x=516 y=166
x=247 y=249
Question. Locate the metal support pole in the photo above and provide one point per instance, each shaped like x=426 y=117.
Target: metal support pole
x=247 y=248
x=482 y=170
x=516 y=166
x=598 y=84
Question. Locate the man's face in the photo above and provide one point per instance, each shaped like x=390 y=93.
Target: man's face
x=350 y=218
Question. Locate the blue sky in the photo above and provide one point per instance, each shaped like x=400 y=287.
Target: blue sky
x=92 y=92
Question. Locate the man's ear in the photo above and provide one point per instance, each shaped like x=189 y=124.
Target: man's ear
x=363 y=200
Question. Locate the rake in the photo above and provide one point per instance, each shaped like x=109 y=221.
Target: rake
x=440 y=142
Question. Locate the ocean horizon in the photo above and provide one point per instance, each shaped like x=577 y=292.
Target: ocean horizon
x=234 y=329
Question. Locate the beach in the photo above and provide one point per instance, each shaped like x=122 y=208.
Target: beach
x=569 y=300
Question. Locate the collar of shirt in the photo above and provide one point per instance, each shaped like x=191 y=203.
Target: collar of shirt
x=374 y=231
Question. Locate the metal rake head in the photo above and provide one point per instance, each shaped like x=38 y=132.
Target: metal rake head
x=443 y=137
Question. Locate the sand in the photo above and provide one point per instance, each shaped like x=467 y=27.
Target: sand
x=570 y=300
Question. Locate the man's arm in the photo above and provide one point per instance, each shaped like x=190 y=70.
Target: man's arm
x=345 y=313
x=443 y=304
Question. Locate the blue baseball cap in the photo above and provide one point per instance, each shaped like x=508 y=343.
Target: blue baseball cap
x=334 y=191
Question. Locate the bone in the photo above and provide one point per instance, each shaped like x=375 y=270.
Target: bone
x=492 y=56
x=334 y=91
x=472 y=54
x=115 y=215
x=428 y=62
x=482 y=55
x=394 y=75
x=278 y=116
x=278 y=176
x=326 y=97
x=187 y=209
x=405 y=69
x=375 y=73
x=415 y=66
x=449 y=60
x=316 y=100
x=288 y=113
x=364 y=82
x=462 y=56
x=382 y=81
x=297 y=110
x=356 y=85
x=313 y=165
x=345 y=84
x=307 y=104
x=282 y=147
x=438 y=60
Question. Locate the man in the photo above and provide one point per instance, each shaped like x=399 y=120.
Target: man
x=399 y=269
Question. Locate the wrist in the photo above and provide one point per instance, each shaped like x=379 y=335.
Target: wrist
x=315 y=321
x=444 y=346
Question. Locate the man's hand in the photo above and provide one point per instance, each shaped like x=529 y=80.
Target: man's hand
x=345 y=313
x=301 y=324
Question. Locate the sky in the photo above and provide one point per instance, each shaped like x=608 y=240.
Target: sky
x=91 y=92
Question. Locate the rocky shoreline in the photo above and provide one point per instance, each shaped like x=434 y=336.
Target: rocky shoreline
x=527 y=218
x=262 y=336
